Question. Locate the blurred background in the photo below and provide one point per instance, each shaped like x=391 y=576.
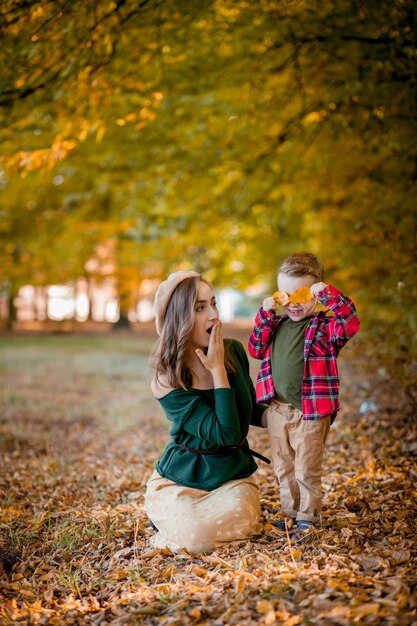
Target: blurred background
x=142 y=137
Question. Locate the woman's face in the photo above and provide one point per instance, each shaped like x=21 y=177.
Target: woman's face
x=205 y=314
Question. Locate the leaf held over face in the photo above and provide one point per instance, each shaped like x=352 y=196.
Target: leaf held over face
x=298 y=297
x=281 y=297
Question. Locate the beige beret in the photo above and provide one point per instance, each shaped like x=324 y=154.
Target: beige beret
x=164 y=293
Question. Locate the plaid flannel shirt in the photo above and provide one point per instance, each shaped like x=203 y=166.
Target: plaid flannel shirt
x=323 y=338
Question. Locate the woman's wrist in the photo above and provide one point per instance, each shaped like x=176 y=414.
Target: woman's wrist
x=220 y=378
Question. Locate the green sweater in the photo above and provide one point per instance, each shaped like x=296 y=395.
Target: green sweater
x=209 y=419
x=287 y=360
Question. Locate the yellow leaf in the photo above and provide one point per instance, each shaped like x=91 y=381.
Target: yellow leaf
x=9 y=513
x=46 y=576
x=264 y=606
x=20 y=82
x=239 y=584
x=17 y=577
x=100 y=134
x=169 y=572
x=199 y=571
x=281 y=297
x=27 y=593
x=298 y=297
x=37 y=12
x=119 y=574
x=270 y=618
x=365 y=609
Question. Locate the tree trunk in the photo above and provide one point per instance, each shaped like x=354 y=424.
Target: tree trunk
x=12 y=312
x=123 y=321
x=90 y=292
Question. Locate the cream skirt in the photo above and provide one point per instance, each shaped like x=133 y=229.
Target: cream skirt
x=201 y=520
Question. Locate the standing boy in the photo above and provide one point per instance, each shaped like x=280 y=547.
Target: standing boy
x=299 y=379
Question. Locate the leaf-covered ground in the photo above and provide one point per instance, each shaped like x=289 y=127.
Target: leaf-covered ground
x=80 y=434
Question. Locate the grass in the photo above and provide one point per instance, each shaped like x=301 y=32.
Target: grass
x=75 y=379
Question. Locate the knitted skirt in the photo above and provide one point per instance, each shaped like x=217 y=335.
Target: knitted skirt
x=201 y=520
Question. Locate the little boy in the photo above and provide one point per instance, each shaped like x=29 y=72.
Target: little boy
x=299 y=379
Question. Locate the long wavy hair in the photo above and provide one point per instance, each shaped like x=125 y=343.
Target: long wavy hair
x=168 y=358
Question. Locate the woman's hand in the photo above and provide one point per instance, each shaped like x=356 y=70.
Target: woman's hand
x=213 y=361
x=215 y=352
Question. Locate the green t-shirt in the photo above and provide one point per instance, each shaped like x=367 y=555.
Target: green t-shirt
x=287 y=361
x=210 y=419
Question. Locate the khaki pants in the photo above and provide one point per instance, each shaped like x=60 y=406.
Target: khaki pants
x=297 y=448
x=201 y=520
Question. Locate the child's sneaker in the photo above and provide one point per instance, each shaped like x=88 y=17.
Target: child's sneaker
x=303 y=528
x=284 y=524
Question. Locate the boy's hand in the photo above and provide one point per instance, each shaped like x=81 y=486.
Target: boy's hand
x=269 y=304
x=316 y=288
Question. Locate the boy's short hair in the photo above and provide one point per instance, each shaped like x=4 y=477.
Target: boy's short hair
x=301 y=263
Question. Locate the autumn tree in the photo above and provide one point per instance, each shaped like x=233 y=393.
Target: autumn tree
x=221 y=135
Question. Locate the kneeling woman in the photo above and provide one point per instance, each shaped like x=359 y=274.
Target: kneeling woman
x=202 y=493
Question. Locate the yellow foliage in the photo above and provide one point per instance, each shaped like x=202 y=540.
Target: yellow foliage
x=315 y=116
x=100 y=134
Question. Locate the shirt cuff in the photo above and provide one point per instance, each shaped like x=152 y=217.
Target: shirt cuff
x=267 y=316
x=327 y=294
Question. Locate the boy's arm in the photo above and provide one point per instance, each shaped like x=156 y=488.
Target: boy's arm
x=345 y=322
x=261 y=337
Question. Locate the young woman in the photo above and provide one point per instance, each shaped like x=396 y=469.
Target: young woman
x=202 y=493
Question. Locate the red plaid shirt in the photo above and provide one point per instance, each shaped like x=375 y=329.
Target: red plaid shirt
x=323 y=338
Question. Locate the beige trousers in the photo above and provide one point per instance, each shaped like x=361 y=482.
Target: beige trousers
x=201 y=520
x=297 y=448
